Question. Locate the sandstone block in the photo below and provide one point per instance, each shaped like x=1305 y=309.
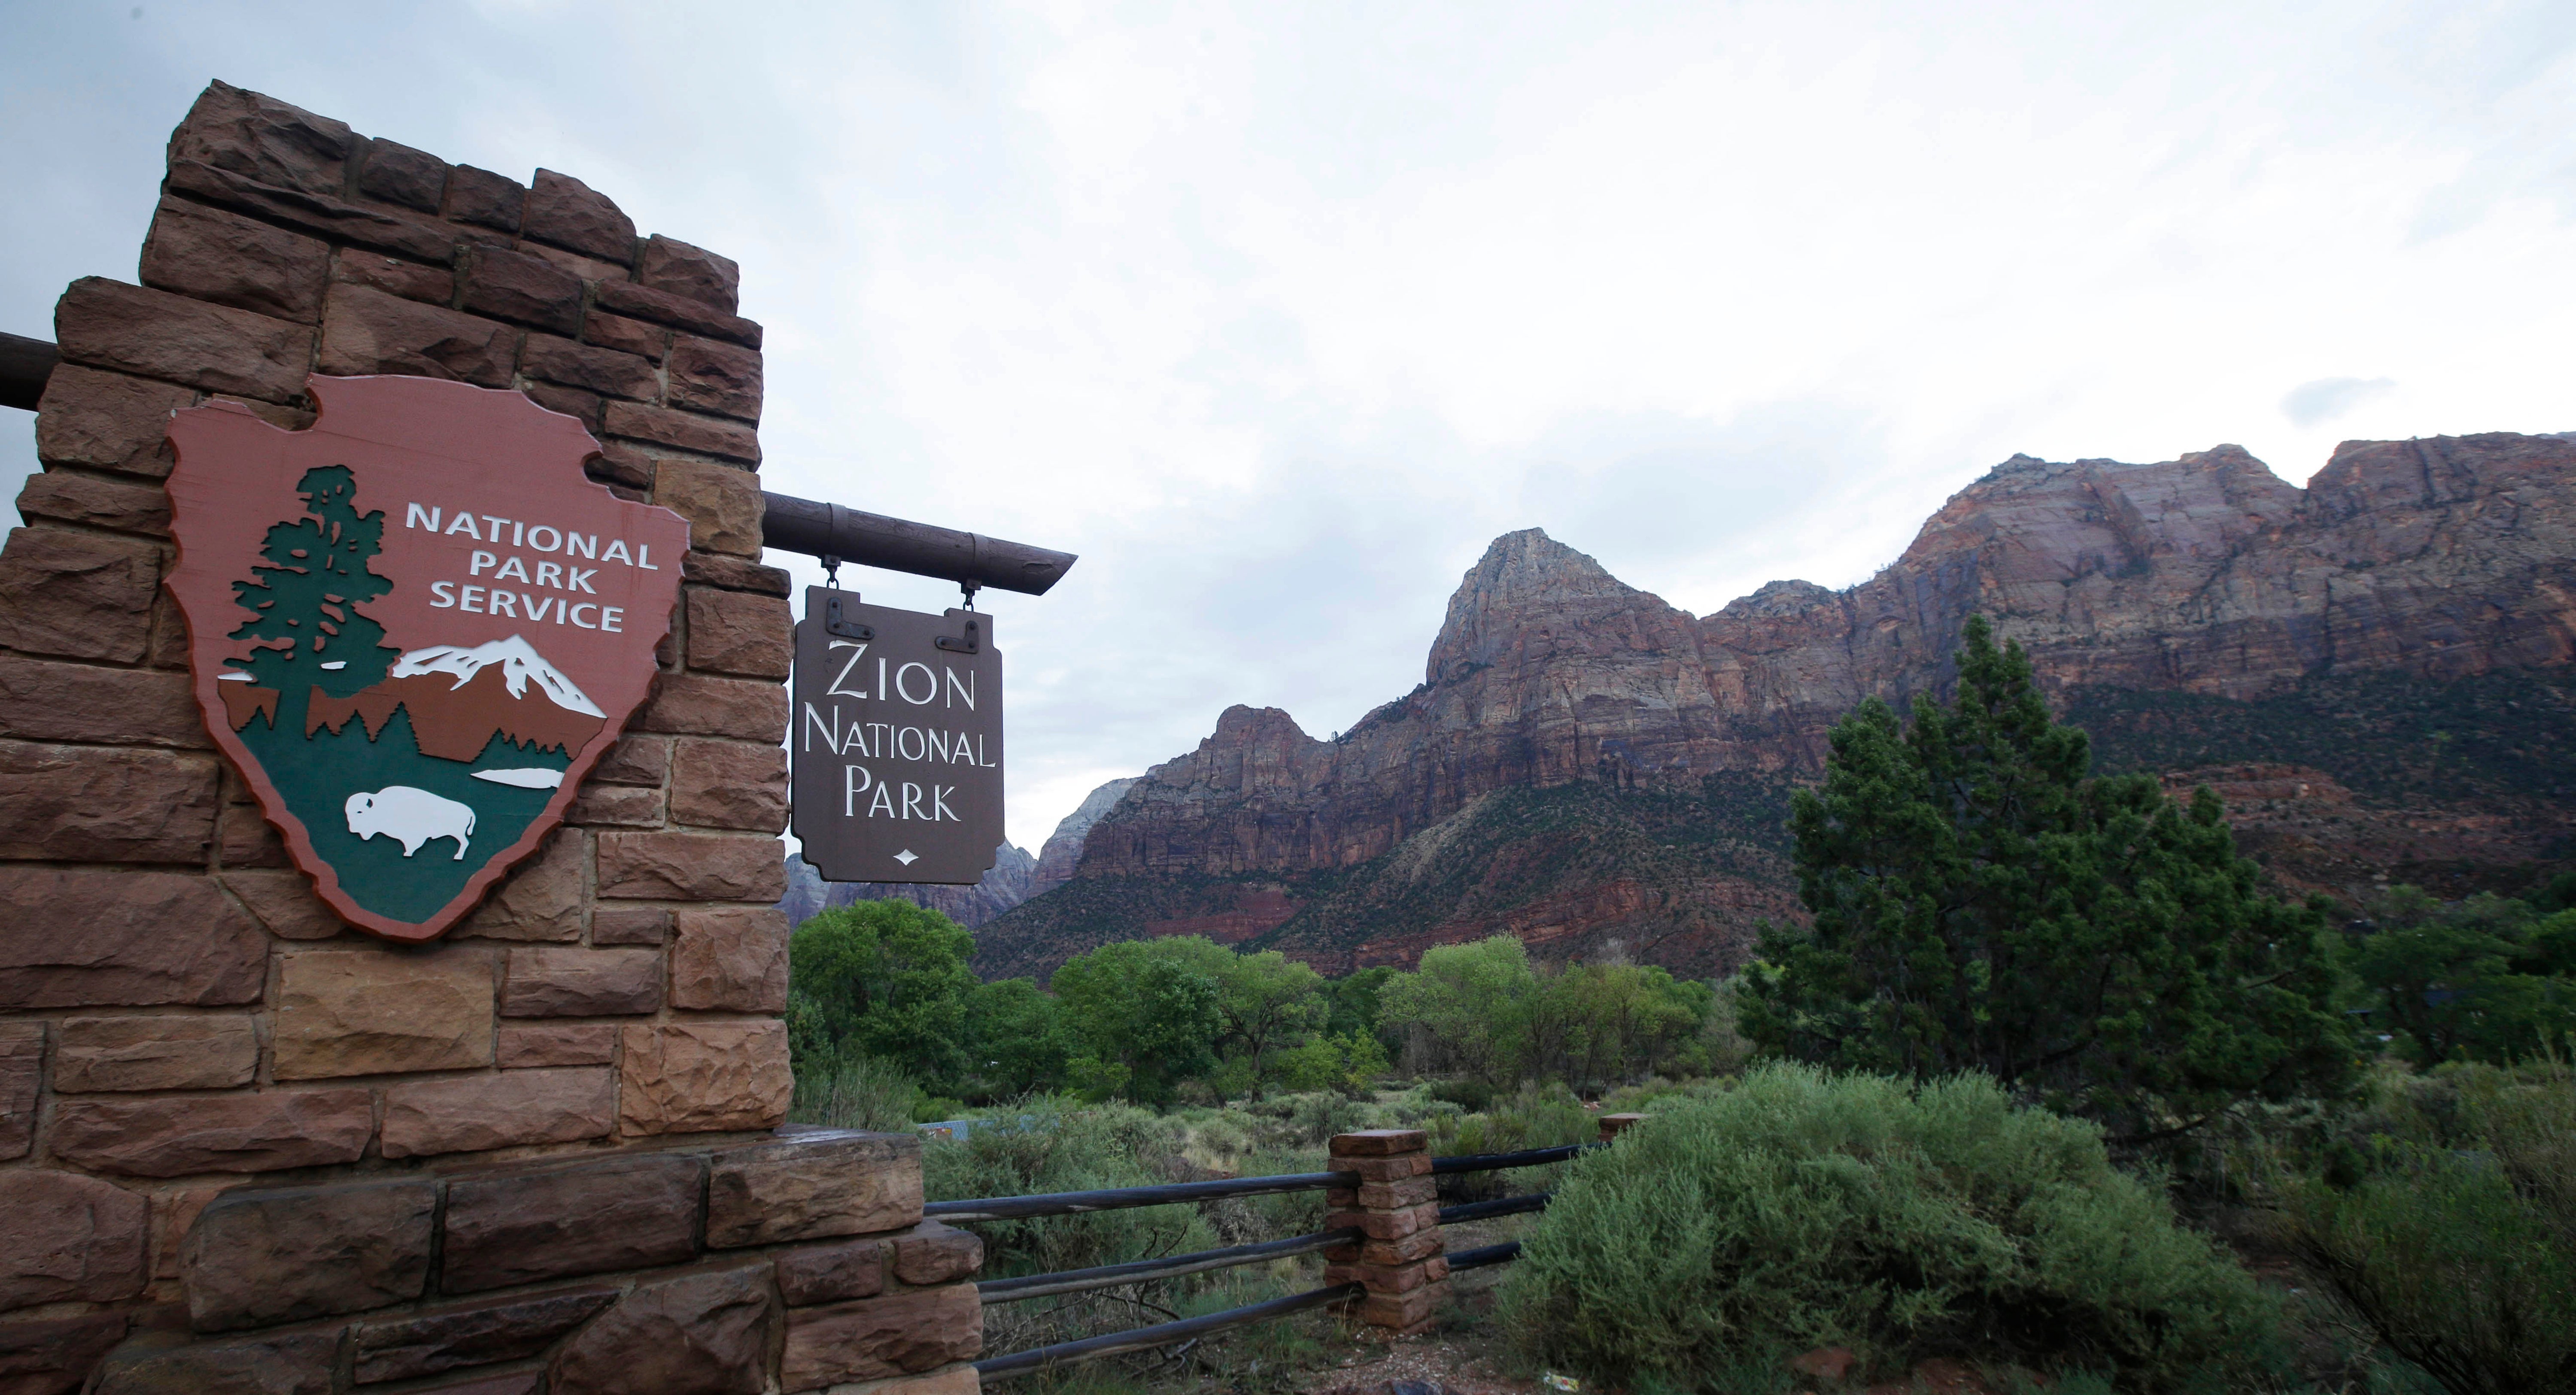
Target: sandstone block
x=45 y=701
x=568 y=213
x=690 y=867
x=708 y=376
x=622 y=1213
x=690 y=272
x=510 y=285
x=231 y=260
x=90 y=501
x=931 y=1253
x=634 y=760
x=732 y=573
x=629 y=925
x=54 y=1356
x=377 y=229
x=729 y=959
x=723 y=784
x=621 y=465
x=530 y=1045
x=1387 y=1169
x=68 y=1237
x=641 y=302
x=585 y=267
x=510 y=1383
x=1404 y=1312
x=99 y=804
x=716 y=436
x=1378 y=1143
x=472 y=1113
x=1420 y=1245
x=1387 y=1225
x=284 y=902
x=647 y=341
x=575 y=982
x=375 y=1011
x=261 y=138
x=155 y=1053
x=960 y=1378
x=600 y=370
x=693 y=1077
x=472 y=1335
x=693 y=705
x=182 y=1134
x=248 y=839
x=737 y=632
x=702 y=1333
x=367 y=331
x=284 y=1363
x=616 y=806
x=1388 y=1278
x=584 y=407
x=173 y=1212
x=80 y=938
x=1392 y=1196
x=399 y=174
x=78 y=595
x=542 y=900
x=108 y=421
x=831 y=1273
x=155 y=334
x=431 y=285
x=22 y=1060
x=816 y=1185
x=484 y=198
x=257 y=1258
x=896 y=1335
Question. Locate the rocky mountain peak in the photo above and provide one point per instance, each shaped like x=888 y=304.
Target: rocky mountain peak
x=1525 y=581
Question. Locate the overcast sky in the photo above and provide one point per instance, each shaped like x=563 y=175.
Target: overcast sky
x=1277 y=313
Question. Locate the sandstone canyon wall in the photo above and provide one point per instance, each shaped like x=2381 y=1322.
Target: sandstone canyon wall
x=1599 y=772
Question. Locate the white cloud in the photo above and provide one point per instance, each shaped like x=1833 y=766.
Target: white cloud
x=1278 y=313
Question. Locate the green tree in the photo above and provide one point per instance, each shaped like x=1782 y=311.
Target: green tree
x=1470 y=1006
x=1980 y=905
x=1352 y=1002
x=2445 y=978
x=1143 y=1014
x=303 y=602
x=1269 y=1003
x=886 y=979
x=1016 y=1038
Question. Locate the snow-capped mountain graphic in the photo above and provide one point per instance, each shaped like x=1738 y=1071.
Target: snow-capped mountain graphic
x=459 y=698
x=519 y=661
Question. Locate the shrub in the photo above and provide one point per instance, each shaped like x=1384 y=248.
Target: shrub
x=2454 y=1233
x=854 y=1091
x=1802 y=1209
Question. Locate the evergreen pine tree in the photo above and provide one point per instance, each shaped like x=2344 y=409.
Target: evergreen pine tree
x=1980 y=904
x=306 y=596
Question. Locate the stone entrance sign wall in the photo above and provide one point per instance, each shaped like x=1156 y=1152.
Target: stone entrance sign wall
x=243 y=1147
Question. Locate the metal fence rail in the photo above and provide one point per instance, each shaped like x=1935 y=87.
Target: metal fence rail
x=1021 y=1363
x=1011 y=1208
x=1110 y=1275
x=1014 y=1208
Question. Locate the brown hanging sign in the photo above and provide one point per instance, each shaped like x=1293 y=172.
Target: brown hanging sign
x=897 y=739
x=414 y=626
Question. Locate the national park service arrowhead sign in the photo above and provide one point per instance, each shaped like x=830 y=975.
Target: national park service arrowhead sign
x=414 y=626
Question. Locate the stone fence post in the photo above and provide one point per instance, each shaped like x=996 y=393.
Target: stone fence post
x=1400 y=1259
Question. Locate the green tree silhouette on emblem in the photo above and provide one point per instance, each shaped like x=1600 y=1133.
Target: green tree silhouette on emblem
x=305 y=628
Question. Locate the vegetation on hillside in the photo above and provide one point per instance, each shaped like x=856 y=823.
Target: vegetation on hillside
x=1981 y=904
x=1803 y=1210
x=2018 y=970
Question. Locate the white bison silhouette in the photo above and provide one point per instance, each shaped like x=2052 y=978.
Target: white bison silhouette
x=410 y=817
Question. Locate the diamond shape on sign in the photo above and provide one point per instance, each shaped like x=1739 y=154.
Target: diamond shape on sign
x=906 y=858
